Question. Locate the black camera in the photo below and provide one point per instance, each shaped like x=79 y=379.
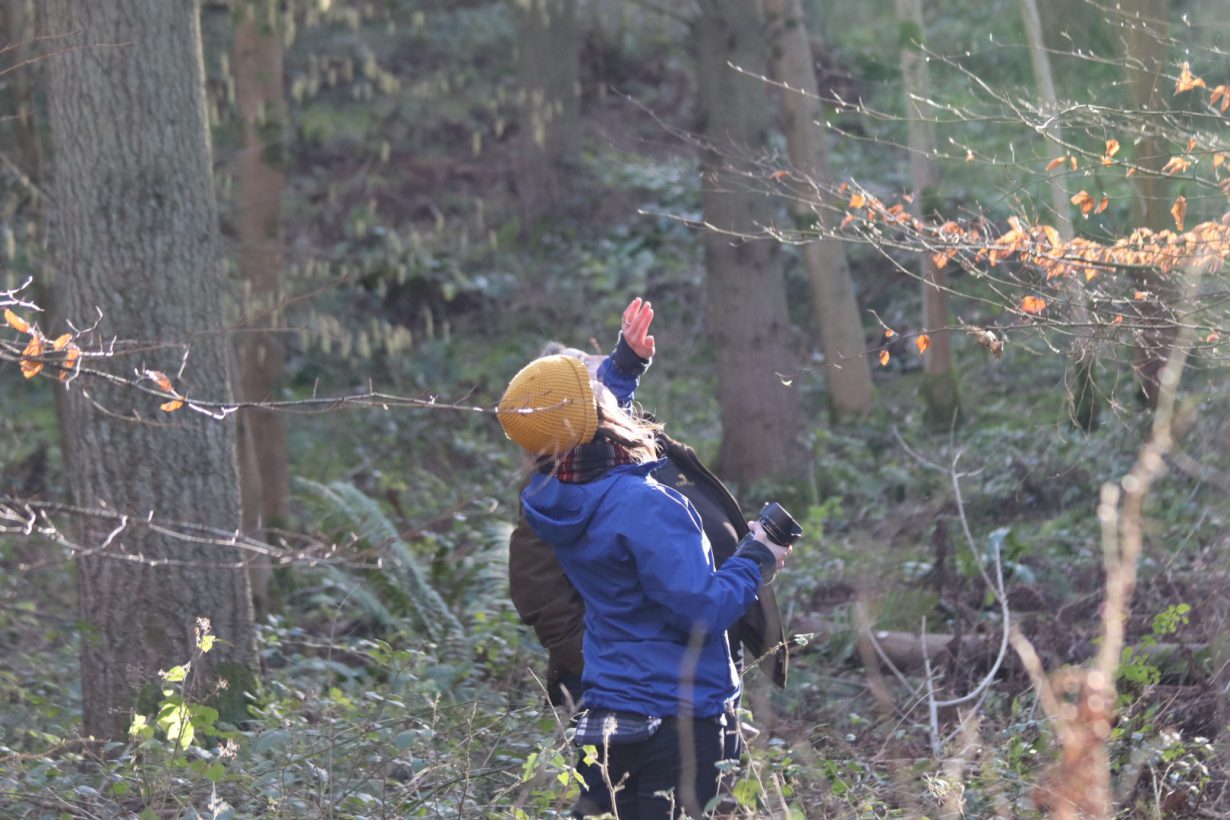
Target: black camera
x=779 y=525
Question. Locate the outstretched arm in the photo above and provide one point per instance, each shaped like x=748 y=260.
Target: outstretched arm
x=622 y=370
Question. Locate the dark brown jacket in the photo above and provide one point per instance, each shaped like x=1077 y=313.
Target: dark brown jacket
x=547 y=601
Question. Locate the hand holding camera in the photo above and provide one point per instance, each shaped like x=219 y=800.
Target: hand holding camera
x=770 y=539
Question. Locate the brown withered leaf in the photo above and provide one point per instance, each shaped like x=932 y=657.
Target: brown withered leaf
x=1187 y=80
x=884 y=357
x=33 y=350
x=1179 y=211
x=1033 y=304
x=1056 y=162
x=16 y=322
x=923 y=343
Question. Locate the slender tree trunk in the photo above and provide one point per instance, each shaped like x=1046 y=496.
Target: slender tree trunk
x=1145 y=58
x=548 y=63
x=1086 y=401
x=747 y=315
x=136 y=238
x=264 y=458
x=847 y=369
x=940 y=383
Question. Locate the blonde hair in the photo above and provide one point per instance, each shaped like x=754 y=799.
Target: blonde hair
x=629 y=429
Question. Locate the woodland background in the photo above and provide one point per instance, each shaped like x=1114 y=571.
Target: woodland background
x=943 y=277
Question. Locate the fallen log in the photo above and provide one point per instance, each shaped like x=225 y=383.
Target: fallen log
x=907 y=650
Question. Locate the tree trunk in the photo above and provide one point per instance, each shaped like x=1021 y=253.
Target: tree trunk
x=548 y=64
x=1145 y=61
x=847 y=369
x=1086 y=401
x=136 y=236
x=263 y=458
x=942 y=401
x=747 y=315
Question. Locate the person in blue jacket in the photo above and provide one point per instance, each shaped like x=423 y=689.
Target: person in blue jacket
x=658 y=676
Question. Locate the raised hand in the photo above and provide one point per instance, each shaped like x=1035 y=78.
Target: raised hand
x=635 y=327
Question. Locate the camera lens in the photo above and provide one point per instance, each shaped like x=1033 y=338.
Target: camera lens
x=779 y=525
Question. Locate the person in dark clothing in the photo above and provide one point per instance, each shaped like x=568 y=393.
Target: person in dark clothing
x=687 y=612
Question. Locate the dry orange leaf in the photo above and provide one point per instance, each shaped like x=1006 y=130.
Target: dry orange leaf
x=969 y=155
x=1056 y=162
x=1033 y=304
x=843 y=187
x=1118 y=319
x=1213 y=337
x=1102 y=204
x=889 y=333
x=170 y=406
x=1176 y=165
x=35 y=348
x=1222 y=92
x=1084 y=201
x=1187 y=80
x=61 y=341
x=70 y=360
x=779 y=175
x=884 y=357
x=160 y=379
x=857 y=201
x=1219 y=159
x=1191 y=143
x=1179 y=211
x=845 y=222
x=940 y=259
x=1140 y=295
x=16 y=322
x=1130 y=171
x=922 y=343
x=1112 y=147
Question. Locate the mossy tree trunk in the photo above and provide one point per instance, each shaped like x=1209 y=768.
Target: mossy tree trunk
x=940 y=395
x=1145 y=64
x=1087 y=402
x=136 y=237
x=847 y=369
x=264 y=460
x=746 y=312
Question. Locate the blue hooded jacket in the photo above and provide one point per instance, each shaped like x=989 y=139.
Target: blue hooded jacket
x=656 y=609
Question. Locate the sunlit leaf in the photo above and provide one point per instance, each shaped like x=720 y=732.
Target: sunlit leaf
x=1102 y=203
x=160 y=379
x=1176 y=165
x=1187 y=81
x=889 y=333
x=1191 y=143
x=61 y=341
x=1084 y=201
x=884 y=357
x=1140 y=295
x=1056 y=162
x=845 y=222
x=1219 y=159
x=34 y=349
x=16 y=322
x=1033 y=304
x=71 y=357
x=1213 y=337
x=923 y=342
x=1179 y=211
x=171 y=406
x=857 y=200
x=776 y=175
x=1112 y=147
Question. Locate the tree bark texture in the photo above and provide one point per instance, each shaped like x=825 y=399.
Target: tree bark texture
x=847 y=369
x=548 y=63
x=264 y=459
x=747 y=315
x=136 y=239
x=1086 y=401
x=940 y=384
x=1147 y=27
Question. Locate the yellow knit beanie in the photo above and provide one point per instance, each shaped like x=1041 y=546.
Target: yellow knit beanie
x=565 y=414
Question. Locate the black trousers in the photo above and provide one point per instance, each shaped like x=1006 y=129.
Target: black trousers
x=681 y=758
